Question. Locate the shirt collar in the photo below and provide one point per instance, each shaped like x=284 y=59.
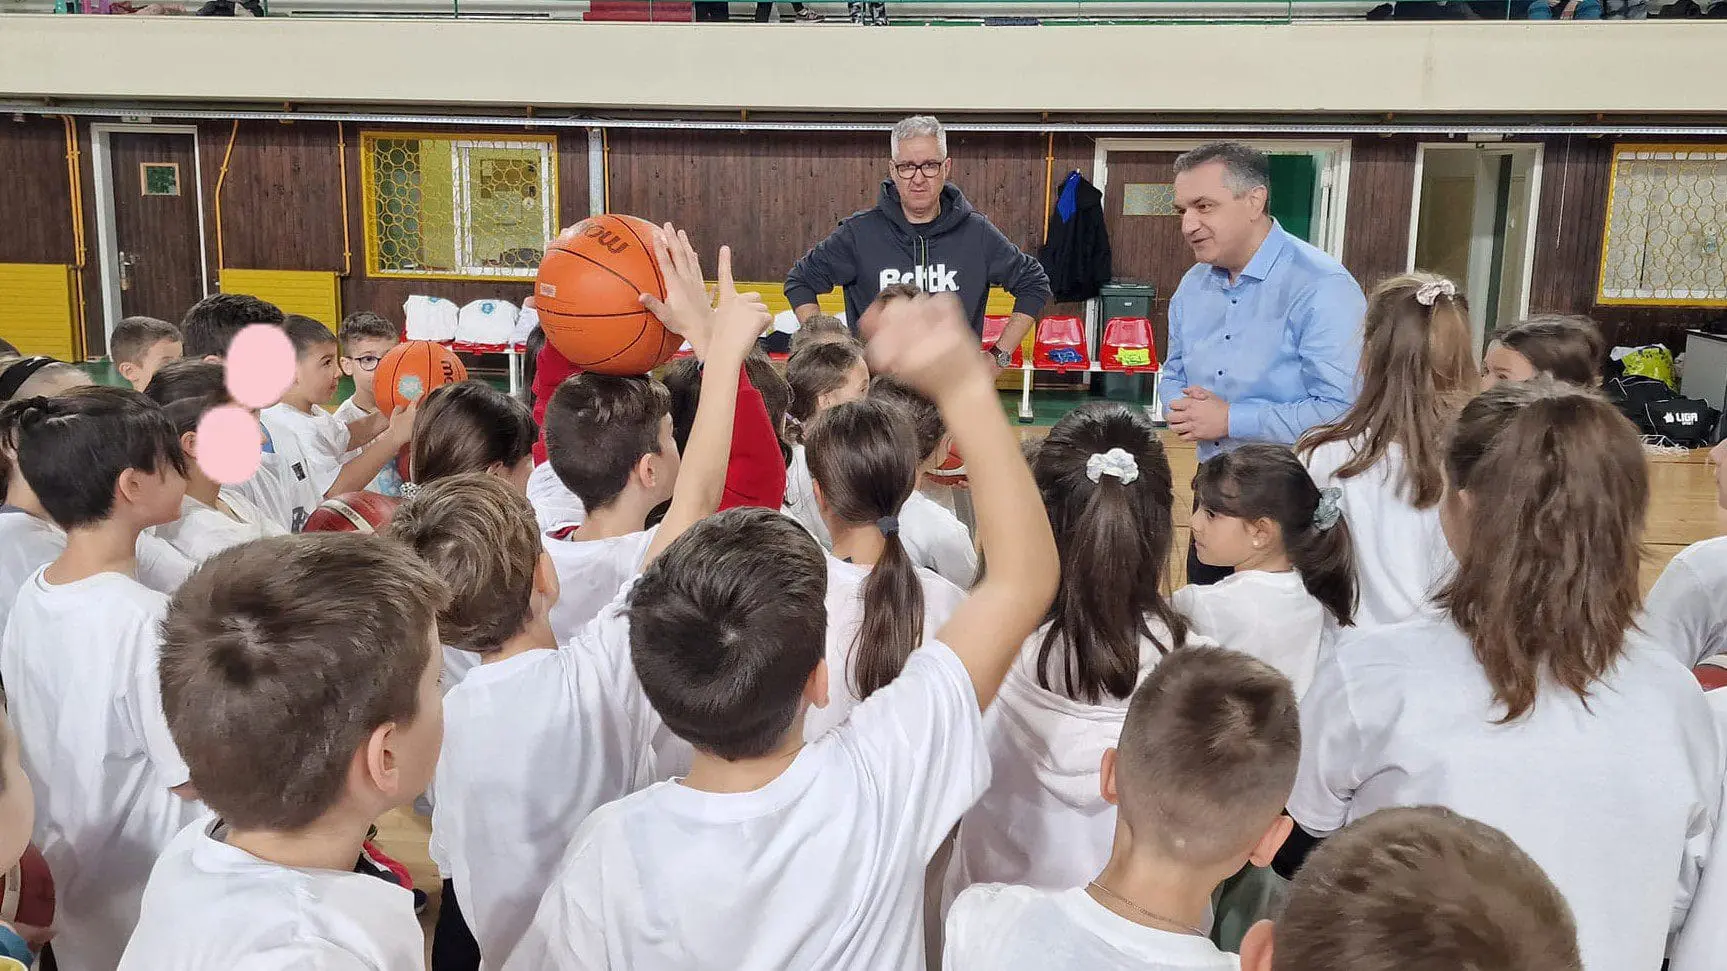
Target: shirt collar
x=1259 y=267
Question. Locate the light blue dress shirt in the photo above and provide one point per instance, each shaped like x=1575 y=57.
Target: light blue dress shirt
x=1281 y=345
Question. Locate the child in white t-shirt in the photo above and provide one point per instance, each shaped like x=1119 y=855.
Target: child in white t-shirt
x=774 y=853
x=1207 y=754
x=821 y=376
x=1385 y=453
x=321 y=439
x=1685 y=611
x=1702 y=940
x=1258 y=512
x=211 y=518
x=1420 y=889
x=1107 y=490
x=365 y=337
x=933 y=535
x=1526 y=698
x=300 y=676
x=79 y=661
x=501 y=818
x=881 y=606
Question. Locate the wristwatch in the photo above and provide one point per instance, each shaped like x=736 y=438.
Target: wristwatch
x=1003 y=358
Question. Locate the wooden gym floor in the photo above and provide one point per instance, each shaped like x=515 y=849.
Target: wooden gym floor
x=1682 y=511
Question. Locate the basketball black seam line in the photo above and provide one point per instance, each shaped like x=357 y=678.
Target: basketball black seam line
x=653 y=261
x=644 y=311
x=633 y=341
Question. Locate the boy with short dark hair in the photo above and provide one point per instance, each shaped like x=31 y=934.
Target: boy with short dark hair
x=319 y=437
x=209 y=327
x=934 y=537
x=300 y=674
x=1206 y=760
x=588 y=707
x=609 y=440
x=141 y=345
x=365 y=337
x=1418 y=889
x=770 y=852
x=78 y=659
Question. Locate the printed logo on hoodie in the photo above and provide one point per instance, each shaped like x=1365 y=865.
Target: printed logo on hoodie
x=936 y=278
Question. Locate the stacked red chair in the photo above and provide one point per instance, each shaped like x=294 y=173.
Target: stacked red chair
x=1060 y=345
x=1128 y=346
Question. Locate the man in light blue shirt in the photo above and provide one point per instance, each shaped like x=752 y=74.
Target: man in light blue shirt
x=1265 y=331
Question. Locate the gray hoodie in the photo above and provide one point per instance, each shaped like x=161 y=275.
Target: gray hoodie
x=961 y=252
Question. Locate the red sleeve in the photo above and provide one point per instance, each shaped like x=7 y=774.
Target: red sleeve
x=756 y=474
x=550 y=370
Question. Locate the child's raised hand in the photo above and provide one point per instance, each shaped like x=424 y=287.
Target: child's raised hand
x=924 y=341
x=740 y=318
x=687 y=309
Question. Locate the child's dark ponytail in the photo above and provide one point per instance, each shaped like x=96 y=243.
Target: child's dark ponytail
x=863 y=456
x=1107 y=488
x=1265 y=481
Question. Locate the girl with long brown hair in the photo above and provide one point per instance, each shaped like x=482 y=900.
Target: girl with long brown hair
x=821 y=376
x=881 y=606
x=1384 y=454
x=1526 y=697
x=1259 y=513
x=1108 y=491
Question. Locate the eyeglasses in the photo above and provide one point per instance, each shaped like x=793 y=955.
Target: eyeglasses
x=367 y=362
x=929 y=169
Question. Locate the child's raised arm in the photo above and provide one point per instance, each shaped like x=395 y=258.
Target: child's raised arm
x=722 y=337
x=925 y=343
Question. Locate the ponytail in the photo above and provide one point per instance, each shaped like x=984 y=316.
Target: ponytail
x=1264 y=481
x=863 y=456
x=1107 y=488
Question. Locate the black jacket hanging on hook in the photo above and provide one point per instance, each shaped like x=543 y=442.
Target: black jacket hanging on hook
x=1076 y=255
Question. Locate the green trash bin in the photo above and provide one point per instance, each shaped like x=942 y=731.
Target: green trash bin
x=1123 y=299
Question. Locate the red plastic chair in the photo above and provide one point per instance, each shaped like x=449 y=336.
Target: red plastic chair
x=1128 y=346
x=1060 y=345
x=992 y=330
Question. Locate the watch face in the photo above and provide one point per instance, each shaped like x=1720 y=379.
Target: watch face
x=1003 y=358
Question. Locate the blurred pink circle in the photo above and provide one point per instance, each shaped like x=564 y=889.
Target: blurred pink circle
x=260 y=365
x=230 y=444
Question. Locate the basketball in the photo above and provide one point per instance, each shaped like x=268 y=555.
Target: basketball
x=27 y=891
x=413 y=368
x=350 y=512
x=588 y=294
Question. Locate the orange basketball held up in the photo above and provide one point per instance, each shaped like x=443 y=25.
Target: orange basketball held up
x=413 y=368
x=588 y=295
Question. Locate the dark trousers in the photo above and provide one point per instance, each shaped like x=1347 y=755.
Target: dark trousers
x=713 y=12
x=453 y=945
x=764 y=10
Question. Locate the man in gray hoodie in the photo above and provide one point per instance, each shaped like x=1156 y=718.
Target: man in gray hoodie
x=922 y=232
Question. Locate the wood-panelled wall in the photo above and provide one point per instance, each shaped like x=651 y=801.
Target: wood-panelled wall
x=771 y=195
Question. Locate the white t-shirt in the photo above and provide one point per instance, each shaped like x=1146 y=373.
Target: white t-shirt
x=937 y=540
x=1268 y=615
x=79 y=663
x=1702 y=942
x=553 y=502
x=282 y=488
x=845 y=616
x=800 y=502
x=590 y=574
x=1043 y=822
x=1686 y=610
x=203 y=531
x=388 y=481
x=821 y=868
x=1616 y=801
x=504 y=816
x=28 y=544
x=1401 y=557
x=214 y=907
x=323 y=439
x=994 y=927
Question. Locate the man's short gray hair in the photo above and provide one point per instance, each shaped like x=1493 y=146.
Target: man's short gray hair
x=1244 y=168
x=919 y=126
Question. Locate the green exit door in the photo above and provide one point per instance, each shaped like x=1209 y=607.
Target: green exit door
x=1294 y=180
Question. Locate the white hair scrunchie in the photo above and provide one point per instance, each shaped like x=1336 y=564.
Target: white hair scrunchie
x=1117 y=462
x=1429 y=293
x=410 y=490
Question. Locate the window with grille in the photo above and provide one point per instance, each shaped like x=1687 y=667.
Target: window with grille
x=1666 y=225
x=445 y=206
